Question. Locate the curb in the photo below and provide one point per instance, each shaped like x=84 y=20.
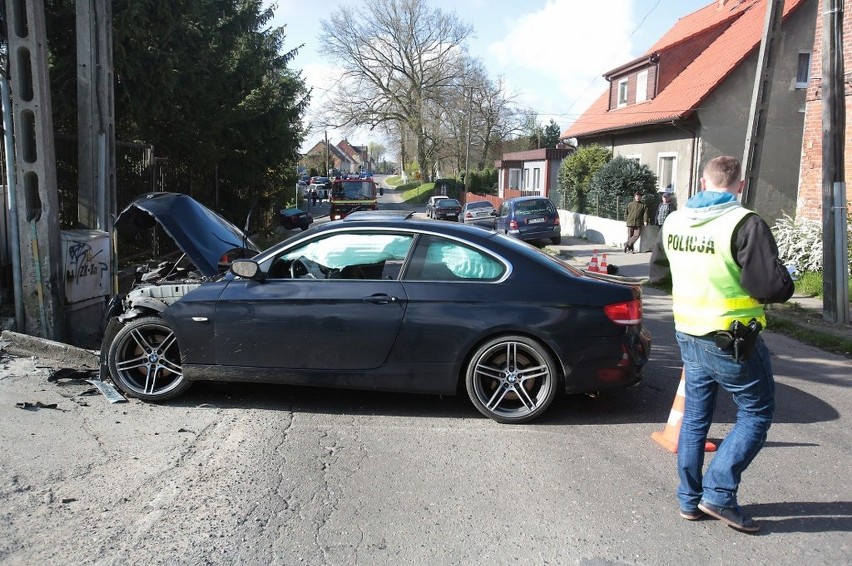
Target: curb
x=67 y=355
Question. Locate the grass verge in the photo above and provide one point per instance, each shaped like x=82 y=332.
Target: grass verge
x=810 y=328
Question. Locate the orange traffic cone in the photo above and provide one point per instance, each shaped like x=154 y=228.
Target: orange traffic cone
x=593 y=263
x=668 y=437
x=604 y=265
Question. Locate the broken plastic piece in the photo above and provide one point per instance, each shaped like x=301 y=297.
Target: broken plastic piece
x=27 y=406
x=108 y=391
x=68 y=373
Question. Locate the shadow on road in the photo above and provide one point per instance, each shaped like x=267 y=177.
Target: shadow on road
x=640 y=404
x=804 y=517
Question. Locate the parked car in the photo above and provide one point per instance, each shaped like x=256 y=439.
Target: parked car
x=529 y=218
x=382 y=301
x=447 y=209
x=292 y=218
x=321 y=184
x=478 y=212
x=430 y=204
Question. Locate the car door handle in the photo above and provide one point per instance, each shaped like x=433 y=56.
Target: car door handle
x=381 y=299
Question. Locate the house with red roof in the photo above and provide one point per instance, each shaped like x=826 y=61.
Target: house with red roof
x=337 y=159
x=687 y=100
x=357 y=155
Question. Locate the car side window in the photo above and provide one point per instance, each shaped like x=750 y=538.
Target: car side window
x=440 y=259
x=351 y=255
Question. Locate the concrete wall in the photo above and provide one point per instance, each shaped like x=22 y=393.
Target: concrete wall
x=649 y=145
x=603 y=231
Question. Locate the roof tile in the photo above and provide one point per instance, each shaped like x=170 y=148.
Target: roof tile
x=743 y=24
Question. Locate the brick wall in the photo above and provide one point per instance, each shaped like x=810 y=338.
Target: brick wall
x=809 y=203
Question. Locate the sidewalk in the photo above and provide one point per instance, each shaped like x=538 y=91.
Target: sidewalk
x=579 y=252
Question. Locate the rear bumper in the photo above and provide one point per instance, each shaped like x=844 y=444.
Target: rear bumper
x=527 y=234
x=600 y=367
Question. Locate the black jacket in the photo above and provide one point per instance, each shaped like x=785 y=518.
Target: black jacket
x=754 y=248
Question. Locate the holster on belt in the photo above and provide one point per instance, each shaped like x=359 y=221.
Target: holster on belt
x=739 y=339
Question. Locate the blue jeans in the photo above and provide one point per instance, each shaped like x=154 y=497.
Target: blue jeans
x=753 y=388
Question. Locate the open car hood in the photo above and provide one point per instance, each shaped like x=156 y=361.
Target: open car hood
x=200 y=233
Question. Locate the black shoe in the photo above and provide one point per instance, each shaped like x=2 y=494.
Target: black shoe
x=692 y=515
x=733 y=516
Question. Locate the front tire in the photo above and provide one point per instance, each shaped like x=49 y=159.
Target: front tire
x=144 y=360
x=511 y=379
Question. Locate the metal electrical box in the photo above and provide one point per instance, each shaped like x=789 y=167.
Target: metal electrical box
x=86 y=261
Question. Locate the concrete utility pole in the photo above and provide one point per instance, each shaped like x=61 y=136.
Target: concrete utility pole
x=467 y=151
x=95 y=115
x=835 y=264
x=38 y=202
x=760 y=99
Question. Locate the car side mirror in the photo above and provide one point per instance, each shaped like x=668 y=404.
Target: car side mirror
x=247 y=269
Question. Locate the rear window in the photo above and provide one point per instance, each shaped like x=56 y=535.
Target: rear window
x=479 y=204
x=530 y=207
x=448 y=202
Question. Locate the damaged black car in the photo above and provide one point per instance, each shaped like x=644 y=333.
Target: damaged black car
x=380 y=301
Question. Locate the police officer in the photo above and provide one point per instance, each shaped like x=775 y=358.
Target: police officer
x=722 y=262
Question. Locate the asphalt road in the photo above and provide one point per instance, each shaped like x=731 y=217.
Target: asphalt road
x=258 y=474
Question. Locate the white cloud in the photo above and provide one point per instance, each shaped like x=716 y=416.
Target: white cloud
x=556 y=55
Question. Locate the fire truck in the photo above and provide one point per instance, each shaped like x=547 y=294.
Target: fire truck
x=349 y=194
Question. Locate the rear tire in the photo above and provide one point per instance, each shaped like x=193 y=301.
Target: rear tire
x=511 y=379
x=556 y=241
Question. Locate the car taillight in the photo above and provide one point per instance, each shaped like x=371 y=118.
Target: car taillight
x=627 y=313
x=513 y=224
x=556 y=221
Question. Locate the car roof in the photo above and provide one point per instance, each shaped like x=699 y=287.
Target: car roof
x=526 y=198
x=363 y=215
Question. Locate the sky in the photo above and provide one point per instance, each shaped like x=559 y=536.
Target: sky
x=551 y=54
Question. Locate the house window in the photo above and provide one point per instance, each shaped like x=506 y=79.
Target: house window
x=536 y=178
x=803 y=72
x=666 y=169
x=514 y=179
x=525 y=183
x=642 y=87
x=622 y=92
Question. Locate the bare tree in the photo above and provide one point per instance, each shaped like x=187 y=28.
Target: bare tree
x=400 y=60
x=498 y=118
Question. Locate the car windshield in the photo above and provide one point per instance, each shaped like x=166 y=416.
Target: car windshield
x=355 y=190
x=530 y=207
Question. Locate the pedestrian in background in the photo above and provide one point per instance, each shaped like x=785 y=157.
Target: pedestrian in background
x=722 y=262
x=635 y=218
x=665 y=208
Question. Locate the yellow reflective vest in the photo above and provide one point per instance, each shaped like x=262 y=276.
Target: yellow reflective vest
x=706 y=291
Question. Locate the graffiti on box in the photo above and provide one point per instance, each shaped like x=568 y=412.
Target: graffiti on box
x=84 y=266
